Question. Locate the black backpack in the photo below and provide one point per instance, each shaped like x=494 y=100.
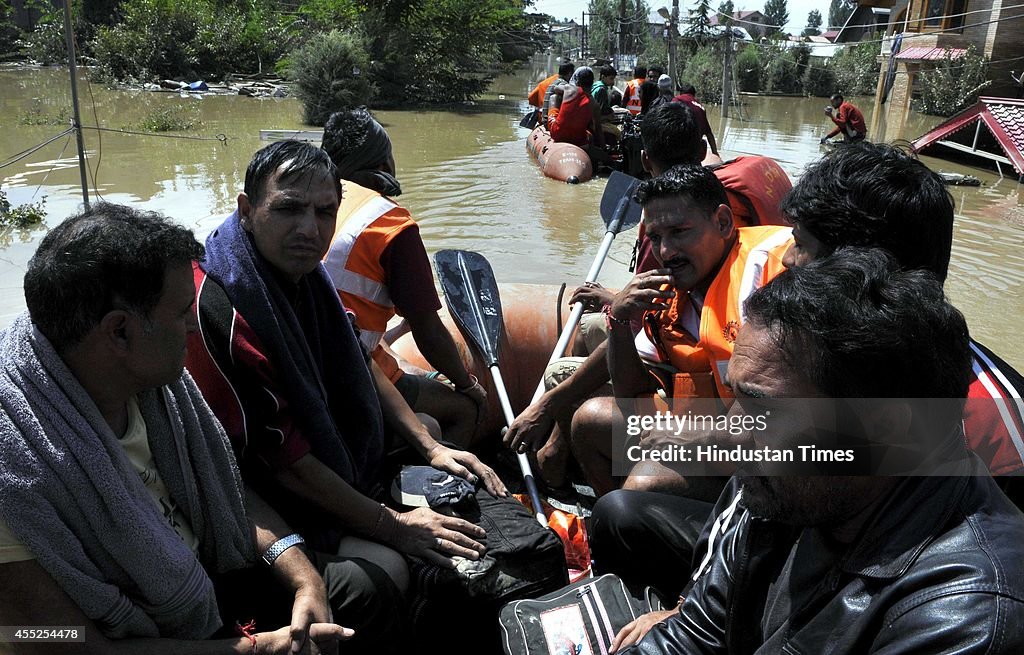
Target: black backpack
x=458 y=607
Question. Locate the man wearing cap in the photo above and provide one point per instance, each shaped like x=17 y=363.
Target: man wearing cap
x=379 y=265
x=664 y=91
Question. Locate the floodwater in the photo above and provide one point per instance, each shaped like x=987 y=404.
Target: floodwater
x=466 y=178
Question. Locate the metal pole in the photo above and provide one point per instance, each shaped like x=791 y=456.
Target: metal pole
x=673 y=22
x=622 y=28
x=727 y=73
x=77 y=124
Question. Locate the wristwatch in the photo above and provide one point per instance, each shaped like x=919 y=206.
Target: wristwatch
x=280 y=546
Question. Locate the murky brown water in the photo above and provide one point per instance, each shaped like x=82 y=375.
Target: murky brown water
x=467 y=180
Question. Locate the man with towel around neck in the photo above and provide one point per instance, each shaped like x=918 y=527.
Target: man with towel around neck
x=120 y=500
x=278 y=360
x=380 y=268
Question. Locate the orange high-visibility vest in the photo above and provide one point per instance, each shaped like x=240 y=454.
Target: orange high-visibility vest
x=755 y=259
x=633 y=104
x=536 y=97
x=367 y=223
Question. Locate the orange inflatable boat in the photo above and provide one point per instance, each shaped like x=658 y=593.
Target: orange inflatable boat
x=531 y=329
x=561 y=161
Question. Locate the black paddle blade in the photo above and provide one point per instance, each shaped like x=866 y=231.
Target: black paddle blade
x=472 y=296
x=618 y=209
x=530 y=120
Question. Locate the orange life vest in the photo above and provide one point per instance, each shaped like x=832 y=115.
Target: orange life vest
x=536 y=97
x=633 y=104
x=701 y=363
x=367 y=222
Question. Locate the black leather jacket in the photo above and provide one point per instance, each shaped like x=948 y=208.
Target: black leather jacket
x=939 y=570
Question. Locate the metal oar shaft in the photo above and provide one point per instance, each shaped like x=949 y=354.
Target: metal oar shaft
x=524 y=463
x=577 y=310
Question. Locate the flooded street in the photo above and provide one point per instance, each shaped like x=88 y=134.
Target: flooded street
x=466 y=178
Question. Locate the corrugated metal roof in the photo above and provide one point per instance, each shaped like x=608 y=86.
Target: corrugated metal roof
x=924 y=53
x=1004 y=118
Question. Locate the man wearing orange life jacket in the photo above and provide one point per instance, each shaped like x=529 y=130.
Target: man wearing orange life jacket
x=631 y=96
x=380 y=268
x=707 y=267
x=671 y=136
x=536 y=96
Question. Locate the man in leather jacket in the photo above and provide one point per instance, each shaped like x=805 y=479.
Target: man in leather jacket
x=856 y=564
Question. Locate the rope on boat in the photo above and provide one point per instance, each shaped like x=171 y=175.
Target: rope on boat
x=15 y=158
x=223 y=138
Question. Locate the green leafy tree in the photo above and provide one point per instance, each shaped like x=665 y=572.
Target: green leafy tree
x=839 y=11
x=784 y=74
x=699 y=28
x=776 y=15
x=856 y=69
x=813 y=23
x=819 y=81
x=604 y=26
x=953 y=84
x=704 y=71
x=725 y=12
x=748 y=69
x=330 y=73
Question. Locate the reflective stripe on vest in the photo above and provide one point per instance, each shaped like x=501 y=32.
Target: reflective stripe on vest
x=367 y=221
x=633 y=104
x=754 y=260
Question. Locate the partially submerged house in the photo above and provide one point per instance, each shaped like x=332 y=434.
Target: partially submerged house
x=993 y=129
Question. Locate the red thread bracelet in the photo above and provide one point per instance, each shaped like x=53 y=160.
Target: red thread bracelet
x=247 y=630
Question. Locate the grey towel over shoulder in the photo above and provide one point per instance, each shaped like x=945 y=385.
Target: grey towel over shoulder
x=69 y=493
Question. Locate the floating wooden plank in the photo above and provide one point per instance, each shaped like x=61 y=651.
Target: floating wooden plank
x=311 y=136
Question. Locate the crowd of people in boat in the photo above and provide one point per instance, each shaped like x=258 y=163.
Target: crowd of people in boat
x=176 y=414
x=577 y=106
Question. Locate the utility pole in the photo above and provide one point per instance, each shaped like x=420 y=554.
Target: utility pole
x=672 y=26
x=583 y=35
x=622 y=28
x=727 y=73
x=77 y=125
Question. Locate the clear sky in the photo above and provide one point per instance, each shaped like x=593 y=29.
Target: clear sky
x=798 y=9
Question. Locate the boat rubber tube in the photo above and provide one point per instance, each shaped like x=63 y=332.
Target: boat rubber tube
x=530 y=334
x=560 y=161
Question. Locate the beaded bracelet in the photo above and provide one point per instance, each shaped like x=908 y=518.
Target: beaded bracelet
x=611 y=320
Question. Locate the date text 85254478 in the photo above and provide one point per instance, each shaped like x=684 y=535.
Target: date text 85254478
x=41 y=633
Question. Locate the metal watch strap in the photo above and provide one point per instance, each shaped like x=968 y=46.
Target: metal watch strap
x=280 y=546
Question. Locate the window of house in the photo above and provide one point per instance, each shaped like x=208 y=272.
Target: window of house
x=941 y=15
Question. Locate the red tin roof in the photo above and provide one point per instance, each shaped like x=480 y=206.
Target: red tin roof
x=1004 y=118
x=924 y=53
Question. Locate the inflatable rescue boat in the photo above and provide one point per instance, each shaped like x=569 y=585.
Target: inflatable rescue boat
x=560 y=161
